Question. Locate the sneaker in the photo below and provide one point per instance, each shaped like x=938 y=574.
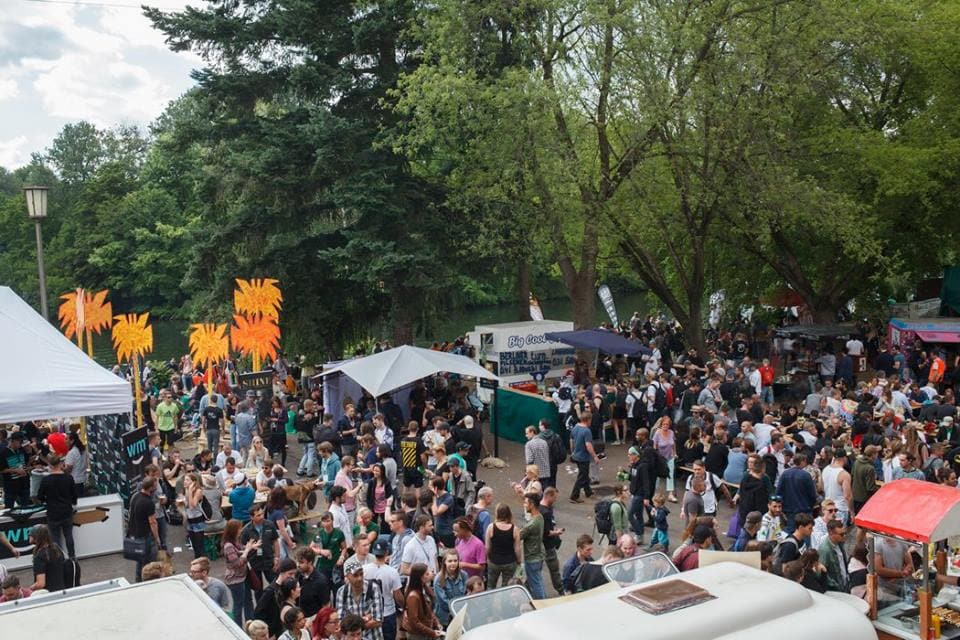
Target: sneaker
x=300 y=473
x=576 y=500
x=617 y=443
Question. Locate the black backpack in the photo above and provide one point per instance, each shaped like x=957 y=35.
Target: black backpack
x=565 y=393
x=663 y=469
x=558 y=452
x=71 y=573
x=602 y=517
x=659 y=398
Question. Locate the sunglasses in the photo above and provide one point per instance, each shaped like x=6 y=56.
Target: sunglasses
x=831 y=510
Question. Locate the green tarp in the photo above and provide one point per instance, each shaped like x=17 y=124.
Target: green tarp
x=950 y=292
x=516 y=410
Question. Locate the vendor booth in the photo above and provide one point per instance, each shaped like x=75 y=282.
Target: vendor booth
x=904 y=332
x=600 y=340
x=47 y=376
x=517 y=409
x=518 y=351
x=395 y=369
x=907 y=521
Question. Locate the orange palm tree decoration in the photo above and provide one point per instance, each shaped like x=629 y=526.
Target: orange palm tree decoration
x=259 y=300
x=209 y=345
x=98 y=315
x=71 y=315
x=133 y=338
x=258 y=297
x=258 y=336
x=87 y=313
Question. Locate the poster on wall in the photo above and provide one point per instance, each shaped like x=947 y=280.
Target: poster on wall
x=135 y=453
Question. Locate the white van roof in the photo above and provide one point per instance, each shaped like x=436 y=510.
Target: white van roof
x=748 y=604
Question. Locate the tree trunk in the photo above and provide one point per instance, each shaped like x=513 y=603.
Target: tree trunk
x=403 y=317
x=523 y=289
x=582 y=303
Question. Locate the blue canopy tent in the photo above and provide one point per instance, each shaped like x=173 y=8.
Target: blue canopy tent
x=599 y=340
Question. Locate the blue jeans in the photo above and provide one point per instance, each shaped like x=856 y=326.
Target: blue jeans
x=535 y=579
x=389 y=627
x=308 y=462
x=234 y=437
x=242 y=603
x=213 y=441
x=766 y=394
x=636 y=514
x=150 y=557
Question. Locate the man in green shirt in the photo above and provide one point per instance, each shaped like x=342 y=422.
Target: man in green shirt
x=533 y=550
x=330 y=546
x=167 y=413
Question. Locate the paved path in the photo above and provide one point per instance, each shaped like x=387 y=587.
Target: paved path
x=576 y=518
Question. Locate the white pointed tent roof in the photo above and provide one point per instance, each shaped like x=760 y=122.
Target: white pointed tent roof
x=394 y=368
x=44 y=375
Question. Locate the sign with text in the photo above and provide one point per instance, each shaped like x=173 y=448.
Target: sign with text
x=255 y=381
x=518 y=363
x=135 y=453
x=488 y=384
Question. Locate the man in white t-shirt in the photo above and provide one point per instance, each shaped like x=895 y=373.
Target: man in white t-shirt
x=711 y=483
x=421 y=547
x=341 y=519
x=652 y=361
x=855 y=347
x=229 y=476
x=390 y=585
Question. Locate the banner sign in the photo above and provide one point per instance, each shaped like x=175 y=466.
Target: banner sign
x=515 y=363
x=135 y=453
x=255 y=381
x=606 y=297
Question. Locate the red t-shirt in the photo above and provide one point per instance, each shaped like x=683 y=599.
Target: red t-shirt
x=766 y=376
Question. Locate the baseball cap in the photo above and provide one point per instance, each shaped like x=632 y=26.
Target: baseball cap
x=381 y=547
x=462 y=445
x=633 y=451
x=776 y=498
x=352 y=566
x=16 y=435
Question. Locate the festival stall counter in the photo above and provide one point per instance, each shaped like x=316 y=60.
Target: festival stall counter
x=916 y=517
x=97 y=522
x=518 y=350
x=903 y=332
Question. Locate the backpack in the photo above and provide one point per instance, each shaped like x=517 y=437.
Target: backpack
x=602 y=517
x=71 y=573
x=663 y=469
x=777 y=561
x=565 y=393
x=659 y=398
x=558 y=452
x=928 y=471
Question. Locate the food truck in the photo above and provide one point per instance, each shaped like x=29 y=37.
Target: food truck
x=918 y=522
x=518 y=351
x=647 y=598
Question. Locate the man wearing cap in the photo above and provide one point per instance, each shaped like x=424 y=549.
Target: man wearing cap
x=13 y=470
x=748 y=531
x=772 y=524
x=537 y=451
x=361 y=597
x=462 y=451
x=472 y=436
x=948 y=432
x=390 y=585
x=642 y=482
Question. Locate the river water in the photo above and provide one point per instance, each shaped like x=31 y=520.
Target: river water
x=170 y=336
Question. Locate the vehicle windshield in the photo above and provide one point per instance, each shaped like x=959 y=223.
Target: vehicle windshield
x=493 y=606
x=639 y=569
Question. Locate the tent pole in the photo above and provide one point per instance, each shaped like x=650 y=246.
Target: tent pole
x=136 y=390
x=496 y=424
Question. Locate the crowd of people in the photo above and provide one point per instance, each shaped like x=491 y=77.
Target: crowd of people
x=403 y=525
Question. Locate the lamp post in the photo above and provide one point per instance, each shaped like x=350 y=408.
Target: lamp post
x=37 y=210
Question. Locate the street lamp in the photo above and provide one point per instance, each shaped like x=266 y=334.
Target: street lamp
x=37 y=211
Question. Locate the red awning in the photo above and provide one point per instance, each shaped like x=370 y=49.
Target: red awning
x=914 y=510
x=939 y=336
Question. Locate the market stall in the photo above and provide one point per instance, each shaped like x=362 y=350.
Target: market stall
x=518 y=351
x=49 y=377
x=906 y=521
x=904 y=332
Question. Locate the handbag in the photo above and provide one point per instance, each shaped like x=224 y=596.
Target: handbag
x=733 y=531
x=135 y=549
x=174 y=517
x=253 y=579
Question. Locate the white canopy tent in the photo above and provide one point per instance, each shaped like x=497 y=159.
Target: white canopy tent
x=47 y=376
x=394 y=368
